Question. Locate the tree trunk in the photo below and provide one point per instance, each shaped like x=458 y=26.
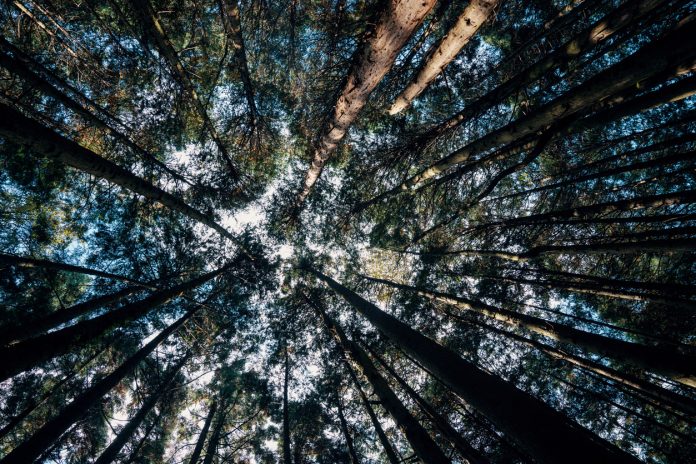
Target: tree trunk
x=397 y=22
x=422 y=444
x=110 y=454
x=153 y=29
x=233 y=26
x=28 y=353
x=36 y=326
x=214 y=441
x=470 y=20
x=195 y=456
x=46 y=143
x=287 y=456
x=346 y=433
x=465 y=450
x=42 y=439
x=547 y=435
x=671 y=52
x=659 y=359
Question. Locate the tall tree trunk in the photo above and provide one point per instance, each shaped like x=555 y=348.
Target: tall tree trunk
x=287 y=457
x=110 y=454
x=422 y=444
x=397 y=22
x=544 y=433
x=215 y=436
x=233 y=26
x=153 y=29
x=135 y=453
x=346 y=433
x=659 y=359
x=28 y=353
x=42 y=439
x=46 y=143
x=465 y=450
x=475 y=14
x=36 y=326
x=195 y=456
x=669 y=53
x=30 y=263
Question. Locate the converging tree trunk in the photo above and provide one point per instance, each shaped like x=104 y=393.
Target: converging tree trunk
x=195 y=456
x=397 y=22
x=346 y=433
x=547 y=435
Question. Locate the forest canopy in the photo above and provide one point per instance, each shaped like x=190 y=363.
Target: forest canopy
x=347 y=231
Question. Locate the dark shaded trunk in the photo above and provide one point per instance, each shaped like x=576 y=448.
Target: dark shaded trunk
x=29 y=353
x=36 y=326
x=659 y=359
x=215 y=436
x=547 y=435
x=346 y=433
x=42 y=439
x=397 y=22
x=287 y=457
x=46 y=143
x=465 y=450
x=195 y=456
x=111 y=452
x=422 y=444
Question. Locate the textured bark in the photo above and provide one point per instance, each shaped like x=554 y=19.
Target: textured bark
x=44 y=142
x=659 y=359
x=422 y=444
x=153 y=29
x=195 y=456
x=346 y=433
x=465 y=450
x=29 y=353
x=545 y=434
x=34 y=327
x=475 y=14
x=42 y=439
x=671 y=52
x=110 y=454
x=287 y=456
x=396 y=24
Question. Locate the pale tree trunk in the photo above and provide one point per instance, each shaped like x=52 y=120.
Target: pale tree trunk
x=110 y=454
x=469 y=21
x=542 y=432
x=670 y=53
x=29 y=353
x=46 y=143
x=396 y=24
x=659 y=359
x=195 y=456
x=45 y=436
x=422 y=444
x=153 y=28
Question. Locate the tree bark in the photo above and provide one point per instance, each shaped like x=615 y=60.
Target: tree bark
x=46 y=143
x=475 y=14
x=110 y=454
x=36 y=326
x=396 y=24
x=214 y=441
x=422 y=444
x=28 y=353
x=346 y=433
x=545 y=434
x=659 y=359
x=465 y=450
x=54 y=428
x=195 y=456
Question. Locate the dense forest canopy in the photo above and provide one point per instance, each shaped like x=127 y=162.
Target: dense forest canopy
x=347 y=231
